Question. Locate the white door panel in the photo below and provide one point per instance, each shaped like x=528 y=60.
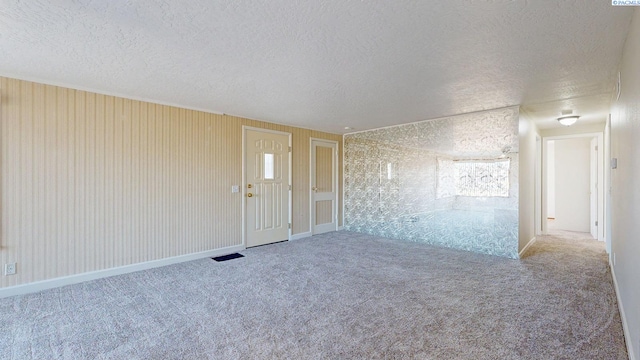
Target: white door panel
x=267 y=187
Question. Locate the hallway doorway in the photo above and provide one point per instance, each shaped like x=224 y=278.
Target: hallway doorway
x=572 y=178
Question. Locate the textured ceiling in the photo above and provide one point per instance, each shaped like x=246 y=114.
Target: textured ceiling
x=322 y=64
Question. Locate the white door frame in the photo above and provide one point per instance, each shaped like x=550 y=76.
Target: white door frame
x=607 y=184
x=335 y=180
x=599 y=136
x=594 y=154
x=243 y=192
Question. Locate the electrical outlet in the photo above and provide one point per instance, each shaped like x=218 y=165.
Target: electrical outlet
x=10 y=269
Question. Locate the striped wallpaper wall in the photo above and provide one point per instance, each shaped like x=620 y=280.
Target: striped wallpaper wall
x=89 y=181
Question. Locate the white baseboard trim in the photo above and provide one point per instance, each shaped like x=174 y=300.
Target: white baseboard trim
x=526 y=247
x=300 y=236
x=98 y=274
x=625 y=325
x=340 y=228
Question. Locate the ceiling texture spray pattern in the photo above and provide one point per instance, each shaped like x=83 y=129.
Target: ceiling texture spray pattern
x=320 y=64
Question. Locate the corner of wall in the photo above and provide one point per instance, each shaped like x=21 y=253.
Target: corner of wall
x=528 y=131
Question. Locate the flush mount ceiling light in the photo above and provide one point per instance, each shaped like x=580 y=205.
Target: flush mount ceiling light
x=568 y=120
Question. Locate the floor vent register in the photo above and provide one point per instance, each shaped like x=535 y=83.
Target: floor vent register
x=228 y=257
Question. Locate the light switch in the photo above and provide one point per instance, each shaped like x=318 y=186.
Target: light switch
x=235 y=188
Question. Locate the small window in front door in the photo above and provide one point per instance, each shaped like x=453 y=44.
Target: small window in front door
x=269 y=167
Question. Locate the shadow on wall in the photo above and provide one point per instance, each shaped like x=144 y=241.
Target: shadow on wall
x=450 y=182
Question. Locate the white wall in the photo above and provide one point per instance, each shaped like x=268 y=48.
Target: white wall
x=572 y=174
x=551 y=179
x=607 y=185
x=527 y=157
x=625 y=196
x=578 y=128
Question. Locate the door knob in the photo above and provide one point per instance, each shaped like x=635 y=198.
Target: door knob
x=249 y=186
x=249 y=195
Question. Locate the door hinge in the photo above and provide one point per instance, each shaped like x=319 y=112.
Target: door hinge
x=289 y=148
x=596 y=223
x=290 y=187
x=596 y=147
x=289 y=225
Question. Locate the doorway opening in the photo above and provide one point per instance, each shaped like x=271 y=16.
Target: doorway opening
x=572 y=181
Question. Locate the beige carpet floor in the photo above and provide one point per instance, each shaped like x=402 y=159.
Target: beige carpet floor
x=334 y=296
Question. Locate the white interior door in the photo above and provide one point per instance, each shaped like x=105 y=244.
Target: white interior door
x=266 y=187
x=572 y=178
x=324 y=183
x=593 y=186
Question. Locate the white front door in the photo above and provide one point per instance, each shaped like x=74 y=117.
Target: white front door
x=266 y=186
x=324 y=184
